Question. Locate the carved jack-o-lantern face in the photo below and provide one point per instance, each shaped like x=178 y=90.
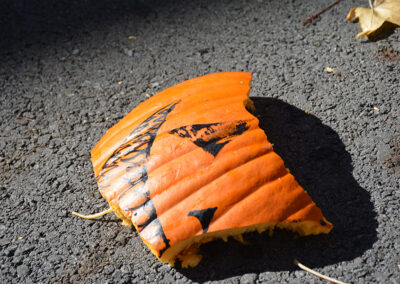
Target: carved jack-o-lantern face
x=191 y=164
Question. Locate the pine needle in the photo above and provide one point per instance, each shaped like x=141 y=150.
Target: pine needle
x=302 y=266
x=93 y=216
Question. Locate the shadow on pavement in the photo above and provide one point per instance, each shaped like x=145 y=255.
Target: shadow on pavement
x=317 y=158
x=24 y=24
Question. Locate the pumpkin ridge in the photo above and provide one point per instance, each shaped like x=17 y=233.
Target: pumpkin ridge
x=268 y=151
x=167 y=96
x=165 y=134
x=149 y=126
x=145 y=114
x=303 y=201
x=189 y=109
x=171 y=117
x=253 y=126
x=307 y=203
x=258 y=187
x=181 y=113
x=238 y=150
x=176 y=182
x=249 y=191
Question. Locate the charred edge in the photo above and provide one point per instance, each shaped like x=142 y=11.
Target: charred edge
x=211 y=145
x=157 y=117
x=139 y=143
x=160 y=233
x=133 y=181
x=151 y=125
x=241 y=127
x=142 y=178
x=190 y=131
x=149 y=212
x=208 y=128
x=205 y=216
x=141 y=195
x=138 y=147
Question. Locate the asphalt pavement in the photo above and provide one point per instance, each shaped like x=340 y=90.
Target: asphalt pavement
x=69 y=70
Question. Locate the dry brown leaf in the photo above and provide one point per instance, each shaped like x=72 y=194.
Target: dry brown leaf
x=371 y=19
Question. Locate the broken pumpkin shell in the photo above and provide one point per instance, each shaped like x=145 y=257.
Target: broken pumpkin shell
x=191 y=164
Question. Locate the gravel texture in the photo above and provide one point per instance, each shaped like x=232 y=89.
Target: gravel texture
x=69 y=70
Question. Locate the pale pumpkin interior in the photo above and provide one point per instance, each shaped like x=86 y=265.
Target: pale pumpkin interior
x=187 y=251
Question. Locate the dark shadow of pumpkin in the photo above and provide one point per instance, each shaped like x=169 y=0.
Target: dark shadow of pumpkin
x=317 y=158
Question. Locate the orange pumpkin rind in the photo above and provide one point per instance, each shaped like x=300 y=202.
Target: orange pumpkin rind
x=191 y=165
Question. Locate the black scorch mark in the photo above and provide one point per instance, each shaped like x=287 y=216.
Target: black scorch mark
x=211 y=137
x=205 y=216
x=132 y=155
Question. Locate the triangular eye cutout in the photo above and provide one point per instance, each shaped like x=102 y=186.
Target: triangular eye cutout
x=191 y=165
x=204 y=217
x=211 y=137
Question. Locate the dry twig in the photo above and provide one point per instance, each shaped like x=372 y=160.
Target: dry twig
x=25 y=118
x=320 y=12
